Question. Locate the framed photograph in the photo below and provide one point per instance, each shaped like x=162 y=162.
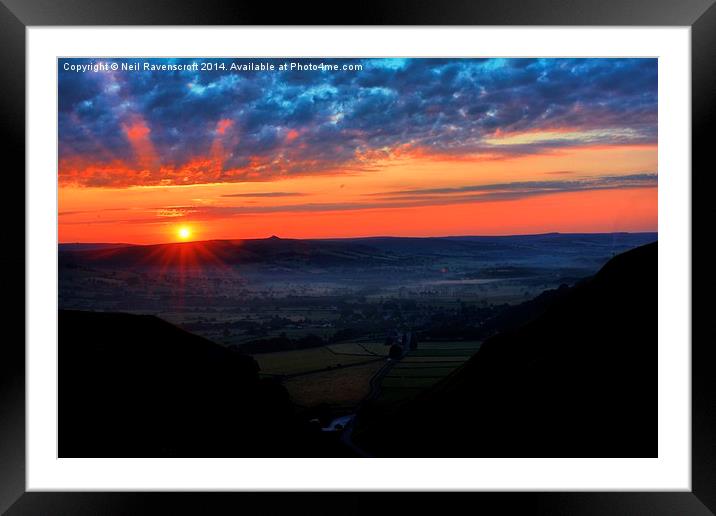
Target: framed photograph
x=424 y=252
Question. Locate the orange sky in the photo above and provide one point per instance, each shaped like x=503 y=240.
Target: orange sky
x=570 y=189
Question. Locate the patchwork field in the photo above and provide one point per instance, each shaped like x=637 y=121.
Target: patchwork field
x=336 y=376
x=289 y=363
x=339 y=388
x=422 y=368
x=377 y=349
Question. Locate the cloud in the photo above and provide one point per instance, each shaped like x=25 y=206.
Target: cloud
x=183 y=127
x=83 y=212
x=527 y=188
x=265 y=194
x=425 y=197
x=395 y=199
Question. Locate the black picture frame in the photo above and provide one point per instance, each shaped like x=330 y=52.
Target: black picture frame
x=17 y=15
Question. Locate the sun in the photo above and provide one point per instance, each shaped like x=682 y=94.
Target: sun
x=183 y=233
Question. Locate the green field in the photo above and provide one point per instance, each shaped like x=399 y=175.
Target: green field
x=305 y=360
x=339 y=374
x=422 y=368
x=411 y=382
x=421 y=372
x=468 y=346
x=441 y=353
x=422 y=362
x=376 y=349
x=340 y=388
x=410 y=359
x=291 y=333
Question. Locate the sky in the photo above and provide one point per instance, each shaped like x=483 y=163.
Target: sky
x=364 y=147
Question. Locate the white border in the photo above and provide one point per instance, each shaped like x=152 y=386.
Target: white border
x=670 y=471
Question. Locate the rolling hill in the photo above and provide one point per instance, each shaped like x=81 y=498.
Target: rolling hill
x=549 y=250
x=228 y=253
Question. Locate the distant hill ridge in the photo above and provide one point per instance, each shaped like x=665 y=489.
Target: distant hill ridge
x=337 y=252
x=72 y=246
x=79 y=246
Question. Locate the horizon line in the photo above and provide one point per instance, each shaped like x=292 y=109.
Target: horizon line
x=367 y=237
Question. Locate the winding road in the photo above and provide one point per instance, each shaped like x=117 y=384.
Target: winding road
x=347 y=433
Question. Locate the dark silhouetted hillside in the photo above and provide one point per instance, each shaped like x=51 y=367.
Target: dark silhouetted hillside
x=136 y=386
x=579 y=380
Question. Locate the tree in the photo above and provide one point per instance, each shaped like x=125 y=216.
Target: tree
x=396 y=352
x=414 y=341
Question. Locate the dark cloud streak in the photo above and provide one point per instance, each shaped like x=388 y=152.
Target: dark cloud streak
x=590 y=183
x=265 y=194
x=434 y=196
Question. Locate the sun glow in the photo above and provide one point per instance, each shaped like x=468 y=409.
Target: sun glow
x=183 y=233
